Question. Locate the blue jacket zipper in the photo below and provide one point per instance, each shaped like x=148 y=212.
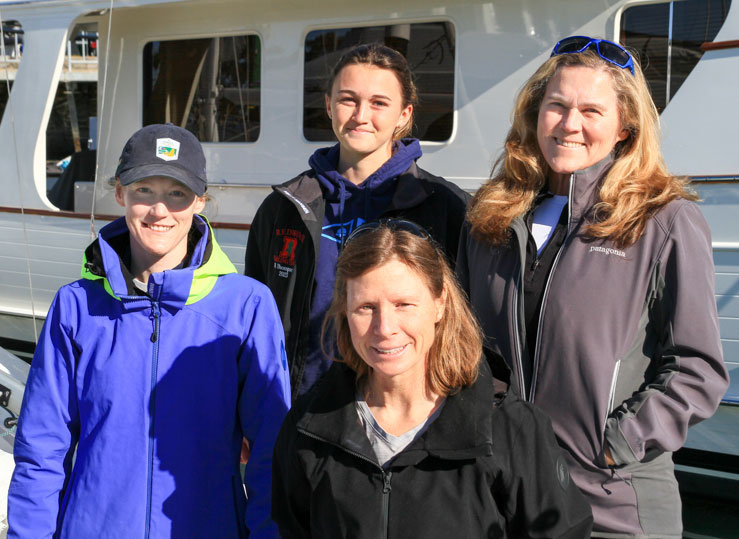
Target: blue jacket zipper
x=155 y=316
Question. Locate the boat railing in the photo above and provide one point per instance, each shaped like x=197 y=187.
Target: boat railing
x=81 y=51
x=725 y=245
x=87 y=43
x=11 y=44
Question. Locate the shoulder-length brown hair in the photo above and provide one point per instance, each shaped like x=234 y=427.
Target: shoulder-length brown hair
x=455 y=354
x=636 y=185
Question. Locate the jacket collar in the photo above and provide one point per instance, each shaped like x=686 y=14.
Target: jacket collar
x=584 y=194
x=175 y=288
x=463 y=429
x=306 y=194
x=411 y=191
x=585 y=187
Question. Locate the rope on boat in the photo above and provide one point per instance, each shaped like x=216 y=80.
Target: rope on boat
x=93 y=234
x=11 y=117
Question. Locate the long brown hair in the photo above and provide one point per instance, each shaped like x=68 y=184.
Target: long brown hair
x=378 y=55
x=455 y=354
x=636 y=185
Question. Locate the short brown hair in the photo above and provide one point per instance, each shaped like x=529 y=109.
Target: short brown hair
x=378 y=55
x=455 y=354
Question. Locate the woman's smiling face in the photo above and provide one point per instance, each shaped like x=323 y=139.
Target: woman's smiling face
x=366 y=108
x=392 y=318
x=159 y=213
x=579 y=121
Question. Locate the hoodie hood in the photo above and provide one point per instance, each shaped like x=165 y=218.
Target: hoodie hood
x=346 y=207
x=324 y=162
x=104 y=260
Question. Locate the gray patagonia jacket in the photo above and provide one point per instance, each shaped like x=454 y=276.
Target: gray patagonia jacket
x=628 y=351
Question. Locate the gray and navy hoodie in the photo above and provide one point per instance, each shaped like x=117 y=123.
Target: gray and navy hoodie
x=298 y=231
x=347 y=207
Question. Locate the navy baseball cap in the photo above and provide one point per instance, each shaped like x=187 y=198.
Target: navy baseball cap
x=163 y=150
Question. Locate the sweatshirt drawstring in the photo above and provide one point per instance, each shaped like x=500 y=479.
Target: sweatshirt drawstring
x=614 y=476
x=367 y=198
x=342 y=199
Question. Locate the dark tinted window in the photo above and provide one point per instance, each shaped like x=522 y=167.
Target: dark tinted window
x=75 y=101
x=68 y=130
x=210 y=86
x=11 y=48
x=429 y=48
x=5 y=87
x=646 y=29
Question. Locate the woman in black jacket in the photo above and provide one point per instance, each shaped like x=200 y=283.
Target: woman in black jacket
x=406 y=438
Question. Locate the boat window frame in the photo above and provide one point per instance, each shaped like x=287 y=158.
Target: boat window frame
x=618 y=32
x=350 y=24
x=146 y=40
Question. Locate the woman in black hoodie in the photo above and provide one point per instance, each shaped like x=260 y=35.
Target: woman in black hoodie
x=371 y=172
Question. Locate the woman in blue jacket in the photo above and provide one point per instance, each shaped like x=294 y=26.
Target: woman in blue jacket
x=149 y=371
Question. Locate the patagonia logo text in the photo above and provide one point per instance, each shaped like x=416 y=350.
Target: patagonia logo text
x=607 y=251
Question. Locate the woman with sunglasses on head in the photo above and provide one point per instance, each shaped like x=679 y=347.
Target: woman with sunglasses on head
x=405 y=436
x=298 y=231
x=149 y=371
x=590 y=269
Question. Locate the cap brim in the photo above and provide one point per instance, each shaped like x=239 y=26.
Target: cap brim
x=167 y=170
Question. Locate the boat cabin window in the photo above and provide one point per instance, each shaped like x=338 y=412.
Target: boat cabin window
x=11 y=49
x=667 y=38
x=429 y=48
x=210 y=86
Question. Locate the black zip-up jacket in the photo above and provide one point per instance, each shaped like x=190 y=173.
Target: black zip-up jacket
x=485 y=467
x=285 y=236
x=628 y=353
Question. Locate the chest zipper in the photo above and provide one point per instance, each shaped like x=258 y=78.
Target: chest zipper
x=155 y=318
x=535 y=366
x=386 y=477
x=386 y=488
x=517 y=317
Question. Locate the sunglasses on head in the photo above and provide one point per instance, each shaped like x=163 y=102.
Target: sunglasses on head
x=608 y=50
x=393 y=224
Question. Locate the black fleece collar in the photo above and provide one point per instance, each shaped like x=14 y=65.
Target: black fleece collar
x=463 y=429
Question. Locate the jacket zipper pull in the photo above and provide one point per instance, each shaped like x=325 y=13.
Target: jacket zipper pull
x=155 y=318
x=535 y=264
x=386 y=502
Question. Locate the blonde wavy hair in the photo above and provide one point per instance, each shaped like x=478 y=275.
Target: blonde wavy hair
x=454 y=358
x=636 y=185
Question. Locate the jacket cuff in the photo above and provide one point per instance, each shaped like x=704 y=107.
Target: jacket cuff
x=621 y=451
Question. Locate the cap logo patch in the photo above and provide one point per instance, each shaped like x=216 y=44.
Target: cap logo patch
x=168 y=149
